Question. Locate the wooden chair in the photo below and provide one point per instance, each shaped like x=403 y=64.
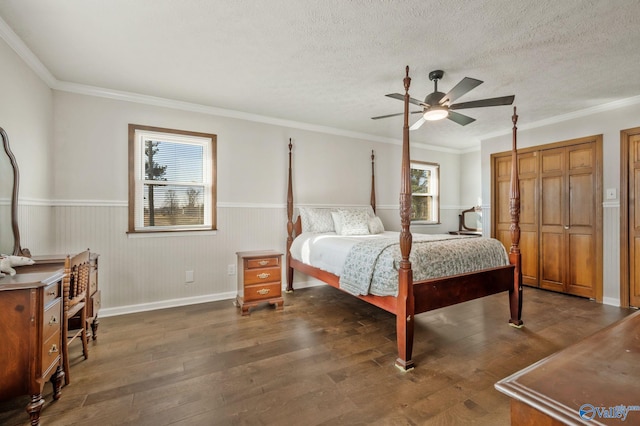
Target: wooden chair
x=75 y=285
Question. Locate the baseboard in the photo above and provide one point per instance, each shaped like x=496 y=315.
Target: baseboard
x=611 y=301
x=164 y=304
x=173 y=303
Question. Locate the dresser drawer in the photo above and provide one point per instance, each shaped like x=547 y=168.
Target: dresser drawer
x=262 y=263
x=52 y=320
x=51 y=292
x=261 y=275
x=51 y=353
x=265 y=291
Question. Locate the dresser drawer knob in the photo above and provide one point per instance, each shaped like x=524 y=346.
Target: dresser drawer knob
x=263 y=275
x=52 y=293
x=54 y=349
x=263 y=291
x=53 y=320
x=263 y=262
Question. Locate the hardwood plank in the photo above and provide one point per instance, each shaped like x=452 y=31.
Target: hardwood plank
x=326 y=359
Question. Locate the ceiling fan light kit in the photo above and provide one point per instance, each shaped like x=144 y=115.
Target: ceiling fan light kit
x=438 y=105
x=435 y=113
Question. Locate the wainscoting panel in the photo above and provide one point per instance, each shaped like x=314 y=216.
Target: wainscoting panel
x=138 y=273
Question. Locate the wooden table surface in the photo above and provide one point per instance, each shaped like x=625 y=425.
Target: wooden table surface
x=599 y=375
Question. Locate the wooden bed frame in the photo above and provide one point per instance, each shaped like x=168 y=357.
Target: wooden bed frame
x=421 y=296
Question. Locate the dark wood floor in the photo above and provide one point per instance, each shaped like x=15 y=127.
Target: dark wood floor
x=327 y=359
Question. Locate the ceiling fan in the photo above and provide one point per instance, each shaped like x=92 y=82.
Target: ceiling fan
x=438 y=105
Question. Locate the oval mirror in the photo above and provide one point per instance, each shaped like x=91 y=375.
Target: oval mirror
x=9 y=181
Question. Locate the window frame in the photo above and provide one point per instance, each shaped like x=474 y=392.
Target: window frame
x=136 y=178
x=435 y=168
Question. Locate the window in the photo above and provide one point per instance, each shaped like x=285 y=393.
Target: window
x=172 y=185
x=424 y=192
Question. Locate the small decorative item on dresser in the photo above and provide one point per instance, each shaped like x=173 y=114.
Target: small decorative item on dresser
x=259 y=279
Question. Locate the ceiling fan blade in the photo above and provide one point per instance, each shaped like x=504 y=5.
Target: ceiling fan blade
x=461 y=119
x=503 y=100
x=394 y=115
x=465 y=85
x=401 y=98
x=417 y=124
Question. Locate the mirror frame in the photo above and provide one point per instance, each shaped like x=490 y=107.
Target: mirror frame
x=17 y=249
x=462 y=226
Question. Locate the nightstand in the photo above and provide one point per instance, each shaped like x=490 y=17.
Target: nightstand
x=259 y=279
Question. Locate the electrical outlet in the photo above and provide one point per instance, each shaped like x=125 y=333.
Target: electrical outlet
x=188 y=277
x=231 y=269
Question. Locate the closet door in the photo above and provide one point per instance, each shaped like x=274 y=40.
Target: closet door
x=634 y=220
x=528 y=176
x=569 y=194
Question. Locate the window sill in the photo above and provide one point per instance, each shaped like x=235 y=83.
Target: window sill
x=177 y=233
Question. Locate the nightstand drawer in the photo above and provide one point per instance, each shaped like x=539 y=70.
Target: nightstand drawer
x=262 y=263
x=261 y=275
x=265 y=291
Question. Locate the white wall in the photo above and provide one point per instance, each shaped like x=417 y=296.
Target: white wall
x=90 y=194
x=72 y=152
x=609 y=123
x=26 y=113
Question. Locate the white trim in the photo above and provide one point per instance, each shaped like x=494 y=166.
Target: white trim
x=26 y=54
x=611 y=204
x=611 y=301
x=166 y=234
x=164 y=304
x=609 y=106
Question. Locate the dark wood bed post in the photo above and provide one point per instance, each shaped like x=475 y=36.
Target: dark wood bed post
x=515 y=257
x=373 y=182
x=289 y=225
x=405 y=304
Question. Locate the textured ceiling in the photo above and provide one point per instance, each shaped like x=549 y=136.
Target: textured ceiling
x=330 y=63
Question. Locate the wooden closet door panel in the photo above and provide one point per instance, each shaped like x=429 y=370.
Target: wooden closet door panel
x=552 y=261
x=552 y=219
x=581 y=213
x=502 y=217
x=581 y=265
x=528 y=176
x=634 y=220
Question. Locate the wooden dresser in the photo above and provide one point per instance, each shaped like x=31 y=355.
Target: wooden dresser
x=30 y=332
x=49 y=263
x=591 y=382
x=259 y=279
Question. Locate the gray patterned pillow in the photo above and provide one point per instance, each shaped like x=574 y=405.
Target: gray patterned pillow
x=316 y=219
x=354 y=222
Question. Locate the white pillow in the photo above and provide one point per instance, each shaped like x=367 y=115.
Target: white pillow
x=316 y=220
x=337 y=222
x=354 y=222
x=376 y=226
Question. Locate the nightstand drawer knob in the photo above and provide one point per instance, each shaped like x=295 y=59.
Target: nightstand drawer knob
x=53 y=320
x=263 y=291
x=263 y=275
x=263 y=262
x=54 y=349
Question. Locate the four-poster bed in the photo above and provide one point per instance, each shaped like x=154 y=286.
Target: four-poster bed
x=414 y=297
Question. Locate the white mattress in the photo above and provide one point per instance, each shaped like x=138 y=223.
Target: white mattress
x=328 y=251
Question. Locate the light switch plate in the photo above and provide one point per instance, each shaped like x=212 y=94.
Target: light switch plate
x=611 y=194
